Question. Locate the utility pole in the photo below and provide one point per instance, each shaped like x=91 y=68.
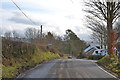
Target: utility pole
x=41 y=31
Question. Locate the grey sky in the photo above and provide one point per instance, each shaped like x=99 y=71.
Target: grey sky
x=55 y=16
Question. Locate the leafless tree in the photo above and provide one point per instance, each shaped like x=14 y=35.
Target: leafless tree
x=99 y=34
x=107 y=11
x=15 y=35
x=117 y=26
x=8 y=35
x=32 y=34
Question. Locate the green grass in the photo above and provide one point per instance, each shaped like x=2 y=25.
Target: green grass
x=19 y=64
x=9 y=71
x=105 y=60
x=110 y=63
x=64 y=57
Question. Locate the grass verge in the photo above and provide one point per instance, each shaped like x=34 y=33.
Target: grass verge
x=110 y=64
x=18 y=65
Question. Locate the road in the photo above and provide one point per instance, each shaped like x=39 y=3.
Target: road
x=66 y=68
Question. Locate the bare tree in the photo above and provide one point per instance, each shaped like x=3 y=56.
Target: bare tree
x=99 y=31
x=29 y=34
x=117 y=26
x=32 y=34
x=96 y=37
x=105 y=11
x=8 y=35
x=15 y=35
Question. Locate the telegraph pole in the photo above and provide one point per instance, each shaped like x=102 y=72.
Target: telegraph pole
x=41 y=31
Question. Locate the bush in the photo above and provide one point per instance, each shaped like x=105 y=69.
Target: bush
x=19 y=65
x=111 y=63
x=107 y=60
x=82 y=55
x=19 y=56
x=95 y=57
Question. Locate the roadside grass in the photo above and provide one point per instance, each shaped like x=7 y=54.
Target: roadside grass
x=0 y=70
x=8 y=71
x=95 y=57
x=64 y=57
x=110 y=63
x=22 y=64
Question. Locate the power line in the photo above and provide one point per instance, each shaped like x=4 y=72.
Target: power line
x=72 y=1
x=26 y=15
x=23 y=12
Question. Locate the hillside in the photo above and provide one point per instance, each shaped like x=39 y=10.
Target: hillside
x=19 y=56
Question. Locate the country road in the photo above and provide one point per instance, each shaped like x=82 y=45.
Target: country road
x=67 y=68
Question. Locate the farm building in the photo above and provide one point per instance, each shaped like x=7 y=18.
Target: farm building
x=93 y=49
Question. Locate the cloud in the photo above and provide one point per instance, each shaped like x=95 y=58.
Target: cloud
x=70 y=17
x=23 y=21
x=85 y=37
x=55 y=15
x=18 y=18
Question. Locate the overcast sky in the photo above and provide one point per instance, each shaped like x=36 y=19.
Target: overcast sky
x=55 y=15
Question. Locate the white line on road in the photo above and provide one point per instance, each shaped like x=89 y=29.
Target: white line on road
x=107 y=72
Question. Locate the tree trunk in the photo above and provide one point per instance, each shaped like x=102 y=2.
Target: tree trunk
x=109 y=28
x=110 y=49
x=101 y=42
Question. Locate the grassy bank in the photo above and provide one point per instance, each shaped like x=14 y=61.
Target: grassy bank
x=18 y=57
x=111 y=64
x=22 y=64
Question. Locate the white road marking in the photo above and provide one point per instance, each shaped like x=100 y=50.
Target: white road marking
x=101 y=68
x=107 y=72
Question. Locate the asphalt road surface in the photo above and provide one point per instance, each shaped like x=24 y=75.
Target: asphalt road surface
x=66 y=68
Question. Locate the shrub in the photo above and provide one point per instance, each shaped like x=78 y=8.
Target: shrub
x=111 y=63
x=19 y=56
x=81 y=55
x=106 y=60
x=95 y=57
